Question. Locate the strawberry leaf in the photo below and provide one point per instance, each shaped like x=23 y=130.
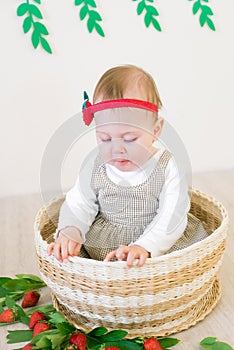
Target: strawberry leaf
x=19 y=336
x=113 y=336
x=29 y=276
x=44 y=309
x=168 y=342
x=65 y=328
x=124 y=345
x=10 y=302
x=96 y=332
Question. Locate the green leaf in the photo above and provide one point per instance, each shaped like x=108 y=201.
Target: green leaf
x=43 y=343
x=27 y=24
x=10 y=302
x=208 y=341
x=202 y=19
x=221 y=346
x=196 y=7
x=57 y=317
x=1 y=309
x=207 y=10
x=91 y=3
x=25 y=320
x=34 y=10
x=78 y=2
x=41 y=28
x=114 y=335
x=156 y=24
x=22 y=9
x=140 y=7
x=83 y=12
x=147 y=20
x=4 y=280
x=37 y=1
x=99 y=29
x=95 y=15
x=90 y=25
x=65 y=328
x=97 y=331
x=168 y=342
x=210 y=23
x=124 y=345
x=19 y=336
x=21 y=284
x=35 y=38
x=44 y=309
x=30 y=276
x=45 y=45
x=152 y=10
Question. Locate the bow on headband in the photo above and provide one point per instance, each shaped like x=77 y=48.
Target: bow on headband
x=88 y=109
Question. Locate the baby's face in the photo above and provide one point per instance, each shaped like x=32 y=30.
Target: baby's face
x=125 y=136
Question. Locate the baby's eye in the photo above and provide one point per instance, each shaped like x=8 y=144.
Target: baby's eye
x=130 y=140
x=105 y=140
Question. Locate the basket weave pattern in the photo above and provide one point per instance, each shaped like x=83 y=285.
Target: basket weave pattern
x=168 y=294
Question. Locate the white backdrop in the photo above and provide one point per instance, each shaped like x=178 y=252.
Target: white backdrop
x=192 y=66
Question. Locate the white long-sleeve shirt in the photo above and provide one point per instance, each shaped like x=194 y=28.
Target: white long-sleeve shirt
x=81 y=207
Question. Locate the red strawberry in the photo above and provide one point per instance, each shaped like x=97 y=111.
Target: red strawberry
x=7 y=316
x=40 y=327
x=30 y=298
x=28 y=347
x=152 y=344
x=79 y=339
x=112 y=348
x=35 y=317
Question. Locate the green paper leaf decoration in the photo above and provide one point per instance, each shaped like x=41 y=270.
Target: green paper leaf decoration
x=91 y=3
x=93 y=16
x=196 y=7
x=35 y=38
x=83 y=12
x=22 y=9
x=45 y=45
x=27 y=24
x=34 y=10
x=205 y=12
x=140 y=7
x=99 y=30
x=150 y=13
x=38 y=30
x=210 y=24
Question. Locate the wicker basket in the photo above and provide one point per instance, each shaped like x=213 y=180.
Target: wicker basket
x=167 y=295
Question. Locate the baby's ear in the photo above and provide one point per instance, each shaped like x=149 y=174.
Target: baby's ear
x=158 y=127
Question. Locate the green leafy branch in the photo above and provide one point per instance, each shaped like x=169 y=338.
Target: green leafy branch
x=205 y=13
x=93 y=16
x=150 y=13
x=38 y=29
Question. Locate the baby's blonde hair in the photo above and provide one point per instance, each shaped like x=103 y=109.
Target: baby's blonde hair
x=115 y=81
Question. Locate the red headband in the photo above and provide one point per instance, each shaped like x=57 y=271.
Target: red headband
x=89 y=110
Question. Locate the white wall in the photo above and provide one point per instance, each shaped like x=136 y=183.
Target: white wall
x=193 y=68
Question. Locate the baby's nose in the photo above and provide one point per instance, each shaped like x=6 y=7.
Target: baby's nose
x=118 y=146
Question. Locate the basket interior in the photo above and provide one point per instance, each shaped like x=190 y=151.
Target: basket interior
x=204 y=209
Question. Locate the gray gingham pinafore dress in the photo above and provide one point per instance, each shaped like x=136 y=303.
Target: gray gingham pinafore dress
x=125 y=212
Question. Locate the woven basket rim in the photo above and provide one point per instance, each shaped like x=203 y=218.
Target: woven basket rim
x=149 y=261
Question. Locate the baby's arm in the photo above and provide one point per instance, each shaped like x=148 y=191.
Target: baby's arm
x=171 y=220
x=77 y=214
x=63 y=247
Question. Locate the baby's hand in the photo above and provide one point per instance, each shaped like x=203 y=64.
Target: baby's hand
x=64 y=247
x=129 y=253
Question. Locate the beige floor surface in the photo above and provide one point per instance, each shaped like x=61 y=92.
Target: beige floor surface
x=18 y=256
